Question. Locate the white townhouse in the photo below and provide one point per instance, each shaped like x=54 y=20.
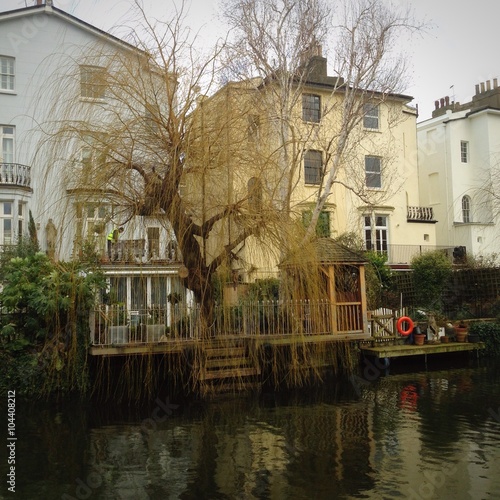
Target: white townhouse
x=39 y=46
x=459 y=165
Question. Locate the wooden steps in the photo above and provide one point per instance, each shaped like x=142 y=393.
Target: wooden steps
x=228 y=368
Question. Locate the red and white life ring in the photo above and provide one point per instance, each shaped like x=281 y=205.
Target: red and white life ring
x=399 y=325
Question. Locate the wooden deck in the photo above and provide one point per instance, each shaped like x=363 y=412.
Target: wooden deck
x=178 y=345
x=394 y=351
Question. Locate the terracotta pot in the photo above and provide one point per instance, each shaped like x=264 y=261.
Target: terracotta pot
x=460 y=334
x=419 y=338
x=445 y=339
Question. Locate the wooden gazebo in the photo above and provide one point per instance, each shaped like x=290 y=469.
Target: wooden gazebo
x=342 y=285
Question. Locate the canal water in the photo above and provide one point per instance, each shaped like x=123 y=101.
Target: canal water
x=415 y=435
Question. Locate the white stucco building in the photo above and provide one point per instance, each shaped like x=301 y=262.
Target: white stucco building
x=459 y=159
x=40 y=47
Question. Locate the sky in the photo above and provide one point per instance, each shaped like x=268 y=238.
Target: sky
x=458 y=50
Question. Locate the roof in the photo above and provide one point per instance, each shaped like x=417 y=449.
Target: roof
x=325 y=251
x=61 y=14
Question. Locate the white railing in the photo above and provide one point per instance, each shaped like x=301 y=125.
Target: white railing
x=115 y=325
x=15 y=174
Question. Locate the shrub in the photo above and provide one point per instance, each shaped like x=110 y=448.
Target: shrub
x=489 y=333
x=431 y=272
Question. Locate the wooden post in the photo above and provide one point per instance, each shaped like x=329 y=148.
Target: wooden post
x=362 y=289
x=332 y=298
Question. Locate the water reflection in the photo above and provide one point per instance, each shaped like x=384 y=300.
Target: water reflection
x=424 y=435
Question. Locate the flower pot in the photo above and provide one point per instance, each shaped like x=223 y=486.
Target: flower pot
x=445 y=339
x=474 y=338
x=419 y=338
x=460 y=334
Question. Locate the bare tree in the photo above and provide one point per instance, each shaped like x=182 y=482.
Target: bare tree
x=277 y=38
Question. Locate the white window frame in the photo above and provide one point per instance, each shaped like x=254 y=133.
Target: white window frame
x=373 y=174
x=464 y=151
x=7 y=73
x=376 y=232
x=4 y=218
x=466 y=209
x=7 y=136
x=371 y=116
x=90 y=87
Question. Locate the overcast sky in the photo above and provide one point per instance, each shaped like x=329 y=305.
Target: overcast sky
x=460 y=49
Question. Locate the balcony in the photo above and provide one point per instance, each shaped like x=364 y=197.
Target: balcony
x=15 y=174
x=142 y=251
x=420 y=214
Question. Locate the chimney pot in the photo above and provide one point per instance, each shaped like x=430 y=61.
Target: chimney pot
x=482 y=87
x=441 y=101
x=436 y=104
x=488 y=85
x=447 y=100
x=495 y=83
x=477 y=88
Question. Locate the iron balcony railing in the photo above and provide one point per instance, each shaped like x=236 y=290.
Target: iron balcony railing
x=15 y=174
x=420 y=214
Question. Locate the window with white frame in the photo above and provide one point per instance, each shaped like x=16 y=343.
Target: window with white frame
x=313 y=167
x=21 y=218
x=7 y=73
x=373 y=171
x=464 y=151
x=371 y=116
x=311 y=108
x=466 y=209
x=7 y=144
x=376 y=232
x=6 y=222
x=91 y=219
x=92 y=82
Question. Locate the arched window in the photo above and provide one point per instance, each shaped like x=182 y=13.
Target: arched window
x=466 y=210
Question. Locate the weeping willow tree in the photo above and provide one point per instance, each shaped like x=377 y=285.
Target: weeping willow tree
x=144 y=127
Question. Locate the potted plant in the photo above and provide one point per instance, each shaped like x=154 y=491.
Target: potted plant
x=461 y=331
x=418 y=336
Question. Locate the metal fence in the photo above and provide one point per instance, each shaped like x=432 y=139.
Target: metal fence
x=112 y=325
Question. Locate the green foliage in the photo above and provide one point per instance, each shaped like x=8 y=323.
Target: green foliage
x=489 y=333
x=264 y=289
x=431 y=272
x=45 y=322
